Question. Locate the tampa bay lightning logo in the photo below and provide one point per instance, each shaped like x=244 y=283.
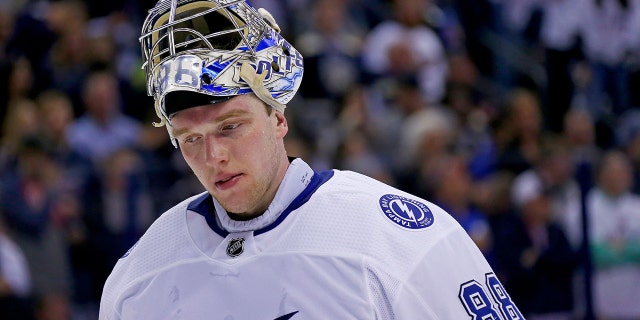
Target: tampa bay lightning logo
x=405 y=212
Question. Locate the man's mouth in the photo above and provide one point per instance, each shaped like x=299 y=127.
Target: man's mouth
x=228 y=181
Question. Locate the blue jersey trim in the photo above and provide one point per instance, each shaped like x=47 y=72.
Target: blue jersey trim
x=203 y=205
x=317 y=180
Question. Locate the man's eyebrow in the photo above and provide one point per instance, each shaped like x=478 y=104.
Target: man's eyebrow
x=231 y=114
x=221 y=118
x=179 y=132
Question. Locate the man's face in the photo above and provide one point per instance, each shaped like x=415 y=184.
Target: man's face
x=236 y=150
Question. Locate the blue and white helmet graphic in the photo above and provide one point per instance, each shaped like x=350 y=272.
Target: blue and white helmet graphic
x=216 y=49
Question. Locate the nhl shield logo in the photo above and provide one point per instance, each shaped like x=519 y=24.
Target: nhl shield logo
x=235 y=247
x=406 y=213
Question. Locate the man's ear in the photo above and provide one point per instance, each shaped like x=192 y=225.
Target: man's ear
x=281 y=124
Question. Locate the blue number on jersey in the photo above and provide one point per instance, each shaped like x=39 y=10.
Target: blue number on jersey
x=480 y=305
x=508 y=308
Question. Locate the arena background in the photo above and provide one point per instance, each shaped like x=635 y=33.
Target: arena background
x=519 y=117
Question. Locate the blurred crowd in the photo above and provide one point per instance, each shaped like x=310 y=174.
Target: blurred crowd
x=521 y=118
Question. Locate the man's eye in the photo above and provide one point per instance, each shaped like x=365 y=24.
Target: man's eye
x=190 y=139
x=229 y=127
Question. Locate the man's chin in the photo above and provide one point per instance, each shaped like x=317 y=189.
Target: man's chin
x=237 y=211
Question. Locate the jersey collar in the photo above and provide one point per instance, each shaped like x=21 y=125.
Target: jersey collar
x=298 y=184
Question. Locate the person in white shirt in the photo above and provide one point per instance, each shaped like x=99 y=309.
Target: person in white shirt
x=614 y=225
x=608 y=29
x=271 y=238
x=405 y=45
x=15 y=279
x=14 y=273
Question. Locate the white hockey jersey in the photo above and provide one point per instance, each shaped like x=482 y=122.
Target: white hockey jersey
x=332 y=245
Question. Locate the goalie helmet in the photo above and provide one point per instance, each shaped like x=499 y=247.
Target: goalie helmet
x=202 y=52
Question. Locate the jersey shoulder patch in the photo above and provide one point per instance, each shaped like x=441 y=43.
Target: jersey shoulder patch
x=406 y=213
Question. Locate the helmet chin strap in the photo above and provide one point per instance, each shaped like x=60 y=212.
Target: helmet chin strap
x=256 y=82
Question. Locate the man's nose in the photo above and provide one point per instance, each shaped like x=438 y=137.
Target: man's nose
x=215 y=151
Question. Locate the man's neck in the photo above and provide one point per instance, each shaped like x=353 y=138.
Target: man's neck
x=242 y=217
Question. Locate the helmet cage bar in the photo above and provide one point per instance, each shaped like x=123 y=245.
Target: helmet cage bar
x=200 y=38
x=148 y=46
x=163 y=6
x=149 y=23
x=171 y=24
x=152 y=52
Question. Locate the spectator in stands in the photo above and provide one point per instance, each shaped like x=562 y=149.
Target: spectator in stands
x=559 y=35
x=69 y=55
x=103 y=120
x=35 y=206
x=531 y=252
x=515 y=16
x=606 y=31
x=580 y=135
x=553 y=172
x=425 y=134
x=113 y=45
x=20 y=80
x=78 y=173
x=615 y=239
x=451 y=187
x=542 y=275
x=406 y=45
x=518 y=131
x=491 y=196
x=56 y=116
x=15 y=280
x=511 y=32
x=120 y=209
x=331 y=47
x=21 y=121
x=471 y=98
